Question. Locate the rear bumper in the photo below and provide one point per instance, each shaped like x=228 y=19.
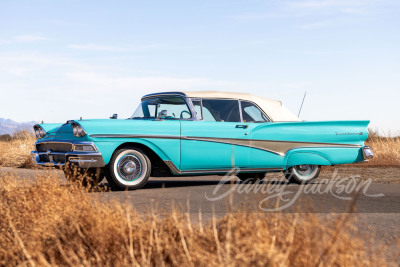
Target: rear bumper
x=367 y=153
x=83 y=159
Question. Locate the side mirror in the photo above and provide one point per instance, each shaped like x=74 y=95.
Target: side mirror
x=114 y=117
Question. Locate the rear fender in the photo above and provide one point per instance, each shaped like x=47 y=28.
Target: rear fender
x=302 y=158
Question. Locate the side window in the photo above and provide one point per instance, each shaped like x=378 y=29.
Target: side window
x=221 y=110
x=251 y=113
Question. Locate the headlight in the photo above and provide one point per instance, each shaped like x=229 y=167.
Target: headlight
x=39 y=132
x=78 y=130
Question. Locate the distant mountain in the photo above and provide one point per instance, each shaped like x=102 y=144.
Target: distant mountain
x=8 y=126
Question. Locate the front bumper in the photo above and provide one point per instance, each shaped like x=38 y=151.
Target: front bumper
x=367 y=153
x=83 y=159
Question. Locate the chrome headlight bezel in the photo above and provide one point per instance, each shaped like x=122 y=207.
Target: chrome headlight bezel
x=39 y=131
x=77 y=130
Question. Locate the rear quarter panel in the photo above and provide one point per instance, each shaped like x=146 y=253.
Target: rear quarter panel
x=312 y=143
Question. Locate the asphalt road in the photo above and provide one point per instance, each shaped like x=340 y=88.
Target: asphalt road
x=375 y=205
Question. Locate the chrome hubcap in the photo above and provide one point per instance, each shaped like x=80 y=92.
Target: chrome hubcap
x=129 y=167
x=304 y=170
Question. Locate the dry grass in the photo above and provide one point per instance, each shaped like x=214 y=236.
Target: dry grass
x=16 y=152
x=386 y=150
x=47 y=224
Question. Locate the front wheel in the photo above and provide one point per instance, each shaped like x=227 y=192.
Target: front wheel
x=129 y=168
x=302 y=174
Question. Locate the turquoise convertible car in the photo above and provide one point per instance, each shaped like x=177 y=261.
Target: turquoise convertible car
x=200 y=133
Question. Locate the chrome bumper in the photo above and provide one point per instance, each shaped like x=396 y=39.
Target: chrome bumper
x=367 y=153
x=83 y=159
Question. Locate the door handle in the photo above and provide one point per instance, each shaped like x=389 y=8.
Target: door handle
x=242 y=126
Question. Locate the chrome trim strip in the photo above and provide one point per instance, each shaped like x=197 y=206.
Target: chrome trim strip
x=175 y=170
x=83 y=160
x=278 y=147
x=230 y=141
x=133 y=136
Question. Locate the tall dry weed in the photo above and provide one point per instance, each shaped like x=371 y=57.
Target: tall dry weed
x=47 y=224
x=16 y=152
x=386 y=150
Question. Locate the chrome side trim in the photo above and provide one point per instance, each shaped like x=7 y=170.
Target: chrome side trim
x=175 y=170
x=133 y=136
x=278 y=147
x=230 y=141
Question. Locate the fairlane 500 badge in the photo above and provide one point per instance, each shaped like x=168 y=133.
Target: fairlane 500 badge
x=360 y=133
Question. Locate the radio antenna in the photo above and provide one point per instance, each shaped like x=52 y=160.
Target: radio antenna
x=304 y=97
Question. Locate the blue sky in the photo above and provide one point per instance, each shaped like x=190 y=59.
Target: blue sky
x=65 y=59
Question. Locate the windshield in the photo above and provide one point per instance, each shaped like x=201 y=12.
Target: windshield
x=163 y=108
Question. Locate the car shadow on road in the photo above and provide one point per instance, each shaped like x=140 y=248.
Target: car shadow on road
x=177 y=184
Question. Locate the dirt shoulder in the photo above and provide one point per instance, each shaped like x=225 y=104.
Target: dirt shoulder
x=378 y=174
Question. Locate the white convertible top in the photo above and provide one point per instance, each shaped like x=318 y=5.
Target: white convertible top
x=273 y=108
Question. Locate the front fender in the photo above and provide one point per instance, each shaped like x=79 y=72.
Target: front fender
x=108 y=147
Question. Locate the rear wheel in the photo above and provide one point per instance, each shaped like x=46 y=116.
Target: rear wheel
x=129 y=168
x=87 y=177
x=302 y=174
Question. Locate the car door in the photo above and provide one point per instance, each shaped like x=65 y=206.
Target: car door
x=220 y=140
x=262 y=151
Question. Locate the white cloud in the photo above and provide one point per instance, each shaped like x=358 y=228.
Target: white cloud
x=30 y=38
x=307 y=8
x=26 y=38
x=327 y=3
x=350 y=7
x=98 y=47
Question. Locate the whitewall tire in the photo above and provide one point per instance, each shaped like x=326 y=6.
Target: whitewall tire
x=129 y=168
x=302 y=174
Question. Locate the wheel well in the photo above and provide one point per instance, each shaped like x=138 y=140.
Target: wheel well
x=158 y=167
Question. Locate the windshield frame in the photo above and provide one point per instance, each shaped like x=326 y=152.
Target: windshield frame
x=185 y=99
